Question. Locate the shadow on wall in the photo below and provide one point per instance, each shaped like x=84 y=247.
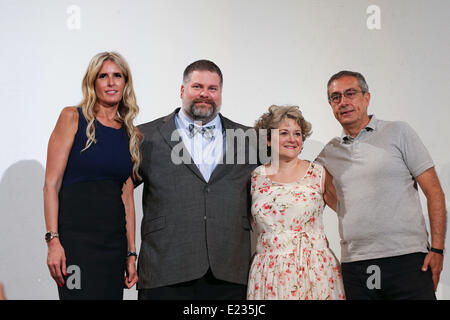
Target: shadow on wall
x=23 y=269
x=23 y=251
x=311 y=149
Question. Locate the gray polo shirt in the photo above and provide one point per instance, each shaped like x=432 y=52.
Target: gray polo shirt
x=379 y=210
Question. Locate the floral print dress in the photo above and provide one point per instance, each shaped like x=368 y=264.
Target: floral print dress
x=292 y=259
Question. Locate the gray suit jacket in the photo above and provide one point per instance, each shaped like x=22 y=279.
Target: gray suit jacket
x=190 y=225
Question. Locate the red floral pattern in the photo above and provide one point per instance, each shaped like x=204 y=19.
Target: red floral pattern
x=292 y=260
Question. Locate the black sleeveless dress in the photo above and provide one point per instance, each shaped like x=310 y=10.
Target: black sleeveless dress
x=91 y=220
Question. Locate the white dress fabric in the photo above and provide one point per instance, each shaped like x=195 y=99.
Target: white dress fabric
x=292 y=259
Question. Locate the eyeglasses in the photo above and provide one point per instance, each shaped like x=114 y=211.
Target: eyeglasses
x=350 y=94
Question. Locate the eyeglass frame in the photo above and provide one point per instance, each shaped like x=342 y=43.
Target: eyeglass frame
x=344 y=94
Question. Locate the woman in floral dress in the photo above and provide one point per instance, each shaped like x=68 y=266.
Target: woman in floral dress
x=292 y=260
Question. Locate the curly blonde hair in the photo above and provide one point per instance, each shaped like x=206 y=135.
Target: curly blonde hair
x=128 y=108
x=272 y=119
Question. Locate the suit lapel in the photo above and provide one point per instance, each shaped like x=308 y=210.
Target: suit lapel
x=167 y=128
x=222 y=168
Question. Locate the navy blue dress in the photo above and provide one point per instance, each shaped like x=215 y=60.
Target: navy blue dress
x=91 y=220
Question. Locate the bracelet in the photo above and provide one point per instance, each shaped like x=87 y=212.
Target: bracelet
x=440 y=251
x=131 y=254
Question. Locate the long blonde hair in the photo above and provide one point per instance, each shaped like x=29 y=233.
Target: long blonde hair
x=127 y=111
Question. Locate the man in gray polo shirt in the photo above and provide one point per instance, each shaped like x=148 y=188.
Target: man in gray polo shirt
x=376 y=166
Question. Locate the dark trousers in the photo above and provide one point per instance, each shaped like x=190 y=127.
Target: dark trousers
x=393 y=278
x=206 y=288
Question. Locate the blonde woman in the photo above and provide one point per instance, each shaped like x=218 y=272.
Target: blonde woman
x=93 y=158
x=292 y=260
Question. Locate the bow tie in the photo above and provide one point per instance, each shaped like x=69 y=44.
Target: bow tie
x=206 y=132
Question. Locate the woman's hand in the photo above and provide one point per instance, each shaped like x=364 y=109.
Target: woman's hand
x=56 y=261
x=131 y=278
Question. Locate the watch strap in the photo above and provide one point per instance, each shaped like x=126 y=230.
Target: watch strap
x=131 y=254
x=440 y=251
x=51 y=235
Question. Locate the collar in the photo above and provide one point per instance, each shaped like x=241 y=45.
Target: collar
x=185 y=121
x=371 y=126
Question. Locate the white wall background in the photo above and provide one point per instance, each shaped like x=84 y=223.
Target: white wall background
x=271 y=52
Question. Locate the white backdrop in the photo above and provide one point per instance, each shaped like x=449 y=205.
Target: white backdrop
x=271 y=52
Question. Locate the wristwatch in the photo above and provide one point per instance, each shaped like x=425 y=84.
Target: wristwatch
x=440 y=251
x=50 y=235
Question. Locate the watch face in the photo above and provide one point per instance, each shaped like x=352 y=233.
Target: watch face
x=50 y=235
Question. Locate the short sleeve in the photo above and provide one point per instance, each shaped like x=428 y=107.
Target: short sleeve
x=321 y=158
x=415 y=154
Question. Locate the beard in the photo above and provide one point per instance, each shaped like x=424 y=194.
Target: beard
x=203 y=114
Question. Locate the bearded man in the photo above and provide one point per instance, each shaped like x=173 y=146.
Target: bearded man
x=195 y=228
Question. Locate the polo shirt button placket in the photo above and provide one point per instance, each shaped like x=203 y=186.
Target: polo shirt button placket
x=356 y=146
